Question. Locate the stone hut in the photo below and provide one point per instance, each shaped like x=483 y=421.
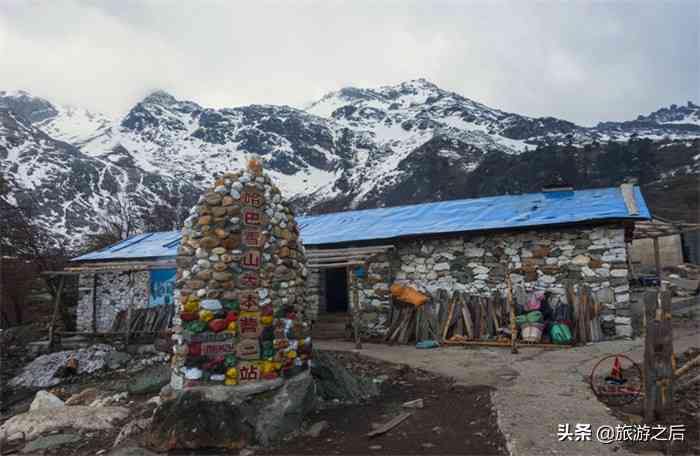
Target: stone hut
x=543 y=240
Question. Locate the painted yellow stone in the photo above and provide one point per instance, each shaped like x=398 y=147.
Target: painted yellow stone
x=267 y=367
x=192 y=305
x=232 y=372
x=277 y=365
x=230 y=381
x=291 y=354
x=231 y=327
x=266 y=320
x=205 y=315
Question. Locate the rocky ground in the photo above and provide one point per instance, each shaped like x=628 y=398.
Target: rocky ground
x=448 y=419
x=453 y=419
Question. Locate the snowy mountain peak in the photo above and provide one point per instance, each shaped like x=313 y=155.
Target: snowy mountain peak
x=34 y=109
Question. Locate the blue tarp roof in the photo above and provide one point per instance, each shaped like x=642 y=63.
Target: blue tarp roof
x=478 y=214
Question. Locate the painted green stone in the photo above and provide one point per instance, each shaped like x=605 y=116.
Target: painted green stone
x=196 y=327
x=231 y=304
x=230 y=360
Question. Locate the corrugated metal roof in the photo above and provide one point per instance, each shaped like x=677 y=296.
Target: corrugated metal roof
x=479 y=214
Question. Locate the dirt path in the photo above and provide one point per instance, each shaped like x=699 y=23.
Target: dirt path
x=535 y=391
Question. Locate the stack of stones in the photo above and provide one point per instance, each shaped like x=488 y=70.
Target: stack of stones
x=240 y=286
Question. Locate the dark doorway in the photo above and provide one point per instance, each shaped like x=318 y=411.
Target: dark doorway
x=336 y=290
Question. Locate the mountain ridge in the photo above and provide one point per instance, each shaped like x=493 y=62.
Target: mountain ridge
x=352 y=148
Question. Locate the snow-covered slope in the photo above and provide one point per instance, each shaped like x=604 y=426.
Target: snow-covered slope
x=352 y=148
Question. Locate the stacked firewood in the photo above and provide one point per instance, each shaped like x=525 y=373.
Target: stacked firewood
x=453 y=317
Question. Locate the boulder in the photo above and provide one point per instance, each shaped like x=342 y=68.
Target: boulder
x=287 y=409
x=132 y=428
x=150 y=381
x=50 y=441
x=333 y=381
x=85 y=397
x=45 y=400
x=317 y=428
x=190 y=422
x=117 y=359
x=232 y=417
x=36 y=422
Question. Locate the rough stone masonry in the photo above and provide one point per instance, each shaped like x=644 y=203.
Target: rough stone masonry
x=543 y=259
x=239 y=291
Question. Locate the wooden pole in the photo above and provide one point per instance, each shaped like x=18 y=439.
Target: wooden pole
x=511 y=306
x=356 y=316
x=56 y=310
x=130 y=305
x=657 y=259
x=94 y=302
x=658 y=357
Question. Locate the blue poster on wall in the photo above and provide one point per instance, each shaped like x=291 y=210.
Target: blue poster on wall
x=162 y=286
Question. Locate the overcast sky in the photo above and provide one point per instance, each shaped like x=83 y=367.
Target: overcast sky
x=578 y=60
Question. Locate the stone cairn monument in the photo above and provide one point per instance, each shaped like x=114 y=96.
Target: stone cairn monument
x=240 y=287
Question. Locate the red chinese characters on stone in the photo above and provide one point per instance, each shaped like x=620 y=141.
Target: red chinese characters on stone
x=248 y=349
x=252 y=217
x=249 y=326
x=252 y=199
x=249 y=300
x=249 y=280
x=251 y=260
x=252 y=238
x=248 y=372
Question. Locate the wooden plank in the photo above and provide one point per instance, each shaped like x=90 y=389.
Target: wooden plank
x=449 y=318
x=389 y=425
x=129 y=309
x=511 y=306
x=468 y=324
x=339 y=258
x=630 y=201
x=311 y=253
x=657 y=259
x=492 y=343
x=94 y=303
x=658 y=357
x=333 y=265
x=495 y=309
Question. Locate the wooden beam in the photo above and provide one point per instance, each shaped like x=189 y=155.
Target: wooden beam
x=310 y=252
x=657 y=259
x=658 y=357
x=333 y=265
x=94 y=302
x=338 y=258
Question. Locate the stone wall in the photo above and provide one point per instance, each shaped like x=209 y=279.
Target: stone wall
x=538 y=260
x=113 y=295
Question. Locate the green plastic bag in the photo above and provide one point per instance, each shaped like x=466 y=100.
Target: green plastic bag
x=534 y=317
x=559 y=333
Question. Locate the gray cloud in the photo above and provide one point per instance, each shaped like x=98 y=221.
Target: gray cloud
x=582 y=61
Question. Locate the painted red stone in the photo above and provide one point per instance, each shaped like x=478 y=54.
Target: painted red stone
x=213 y=363
x=194 y=348
x=188 y=316
x=231 y=316
x=218 y=325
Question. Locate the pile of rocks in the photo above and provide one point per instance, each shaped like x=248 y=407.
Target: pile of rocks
x=240 y=286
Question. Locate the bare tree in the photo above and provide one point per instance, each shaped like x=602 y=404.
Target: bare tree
x=120 y=221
